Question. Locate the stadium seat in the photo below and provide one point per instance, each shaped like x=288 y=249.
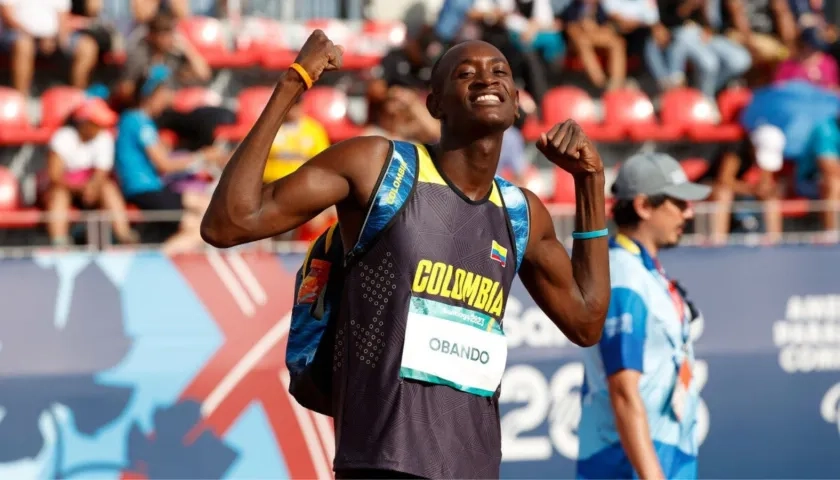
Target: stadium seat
x=564 y=188
x=11 y=213
x=730 y=103
x=390 y=33
x=190 y=98
x=15 y=128
x=252 y=101
x=57 y=103
x=562 y=103
x=694 y=168
x=266 y=42
x=329 y=106
x=695 y=116
x=632 y=111
x=207 y=35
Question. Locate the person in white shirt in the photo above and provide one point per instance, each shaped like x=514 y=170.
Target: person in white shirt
x=79 y=163
x=32 y=28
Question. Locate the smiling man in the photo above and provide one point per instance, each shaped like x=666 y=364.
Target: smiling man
x=420 y=351
x=639 y=395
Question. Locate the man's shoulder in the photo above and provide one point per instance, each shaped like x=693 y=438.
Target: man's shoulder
x=626 y=270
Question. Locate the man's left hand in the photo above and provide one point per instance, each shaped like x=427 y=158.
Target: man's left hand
x=569 y=148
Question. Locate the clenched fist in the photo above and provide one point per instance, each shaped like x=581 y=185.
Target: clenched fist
x=566 y=146
x=318 y=55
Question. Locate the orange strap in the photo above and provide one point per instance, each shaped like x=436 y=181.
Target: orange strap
x=307 y=80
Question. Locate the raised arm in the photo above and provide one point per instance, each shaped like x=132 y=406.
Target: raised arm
x=244 y=210
x=574 y=293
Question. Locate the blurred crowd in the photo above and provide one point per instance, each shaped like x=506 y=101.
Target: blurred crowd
x=127 y=144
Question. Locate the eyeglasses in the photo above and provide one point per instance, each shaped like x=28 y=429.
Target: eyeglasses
x=681 y=204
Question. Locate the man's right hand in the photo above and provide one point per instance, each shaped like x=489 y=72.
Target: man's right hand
x=319 y=55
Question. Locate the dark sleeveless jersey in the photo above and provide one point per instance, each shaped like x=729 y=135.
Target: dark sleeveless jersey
x=442 y=251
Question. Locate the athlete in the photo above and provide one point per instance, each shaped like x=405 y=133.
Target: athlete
x=445 y=261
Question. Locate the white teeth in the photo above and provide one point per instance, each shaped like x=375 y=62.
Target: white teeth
x=491 y=98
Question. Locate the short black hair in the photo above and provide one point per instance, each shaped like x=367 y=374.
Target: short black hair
x=624 y=212
x=433 y=80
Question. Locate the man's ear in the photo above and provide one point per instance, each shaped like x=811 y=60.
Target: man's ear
x=516 y=103
x=433 y=105
x=642 y=206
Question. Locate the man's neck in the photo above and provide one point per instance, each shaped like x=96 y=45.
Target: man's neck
x=642 y=239
x=470 y=165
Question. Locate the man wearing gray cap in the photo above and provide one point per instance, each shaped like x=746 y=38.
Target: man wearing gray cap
x=638 y=399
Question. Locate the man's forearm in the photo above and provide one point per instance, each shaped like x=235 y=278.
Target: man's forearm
x=239 y=193
x=634 y=432
x=590 y=258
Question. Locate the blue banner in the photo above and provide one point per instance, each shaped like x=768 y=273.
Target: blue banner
x=126 y=365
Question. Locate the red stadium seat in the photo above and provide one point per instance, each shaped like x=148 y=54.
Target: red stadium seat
x=695 y=116
x=532 y=127
x=207 y=35
x=270 y=41
x=633 y=111
x=731 y=102
x=694 y=168
x=11 y=213
x=390 y=33
x=57 y=103
x=190 y=98
x=266 y=42
x=564 y=188
x=252 y=101
x=562 y=103
x=329 y=106
x=15 y=128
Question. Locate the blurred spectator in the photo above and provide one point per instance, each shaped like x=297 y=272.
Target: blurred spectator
x=766 y=27
x=79 y=163
x=33 y=28
x=410 y=65
x=716 y=59
x=807 y=13
x=93 y=39
x=809 y=62
x=162 y=45
x=818 y=170
x=399 y=114
x=165 y=46
x=728 y=175
x=300 y=138
x=142 y=162
x=451 y=19
x=531 y=26
x=144 y=11
x=589 y=29
x=634 y=20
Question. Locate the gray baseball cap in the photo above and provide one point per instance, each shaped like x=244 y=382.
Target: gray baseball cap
x=656 y=174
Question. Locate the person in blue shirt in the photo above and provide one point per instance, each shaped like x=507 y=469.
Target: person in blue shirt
x=818 y=169
x=639 y=399
x=142 y=160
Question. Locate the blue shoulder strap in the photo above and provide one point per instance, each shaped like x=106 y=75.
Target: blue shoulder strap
x=516 y=205
x=395 y=186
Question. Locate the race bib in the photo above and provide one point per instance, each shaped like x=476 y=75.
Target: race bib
x=453 y=346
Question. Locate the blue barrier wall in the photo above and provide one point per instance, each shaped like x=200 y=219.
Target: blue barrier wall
x=140 y=366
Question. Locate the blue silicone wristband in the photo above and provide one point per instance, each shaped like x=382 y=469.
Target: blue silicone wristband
x=589 y=235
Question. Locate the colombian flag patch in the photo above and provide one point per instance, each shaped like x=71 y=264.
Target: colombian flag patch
x=498 y=253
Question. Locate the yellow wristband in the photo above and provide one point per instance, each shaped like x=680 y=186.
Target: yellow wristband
x=307 y=80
